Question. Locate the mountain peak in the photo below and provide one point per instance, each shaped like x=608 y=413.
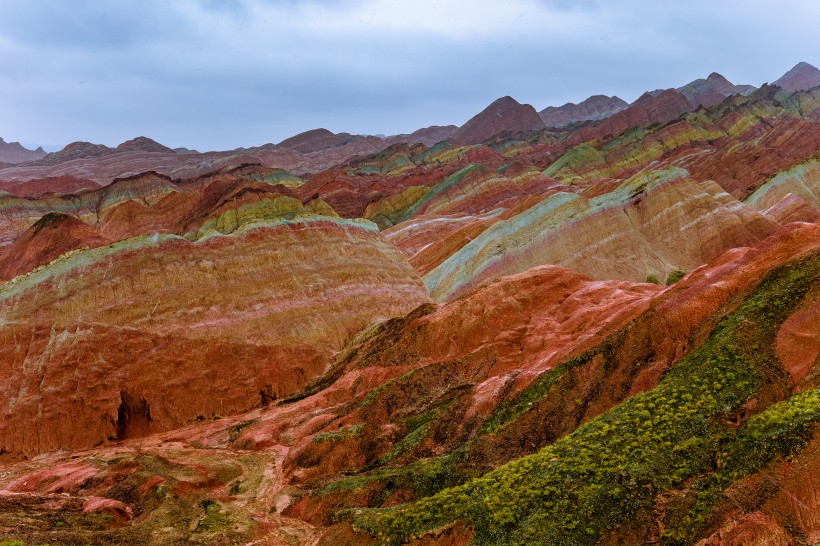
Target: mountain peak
x=142 y=144
x=711 y=91
x=503 y=114
x=506 y=100
x=801 y=76
x=14 y=152
x=594 y=108
x=314 y=140
x=717 y=77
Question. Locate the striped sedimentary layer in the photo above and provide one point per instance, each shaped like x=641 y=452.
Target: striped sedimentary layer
x=791 y=195
x=152 y=332
x=654 y=223
x=18 y=213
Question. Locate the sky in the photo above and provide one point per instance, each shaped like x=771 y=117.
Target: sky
x=218 y=74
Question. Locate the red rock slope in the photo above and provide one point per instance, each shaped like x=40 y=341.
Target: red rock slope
x=163 y=331
x=504 y=114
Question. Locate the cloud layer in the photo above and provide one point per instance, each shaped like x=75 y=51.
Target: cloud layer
x=220 y=74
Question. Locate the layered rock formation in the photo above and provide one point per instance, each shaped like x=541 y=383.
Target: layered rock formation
x=396 y=395
x=504 y=114
x=791 y=195
x=594 y=108
x=427 y=135
x=248 y=333
x=648 y=109
x=49 y=238
x=314 y=140
x=651 y=225
x=14 y=152
x=53 y=184
x=712 y=90
x=802 y=76
x=625 y=348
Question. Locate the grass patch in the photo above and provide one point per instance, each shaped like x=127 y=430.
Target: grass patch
x=674 y=276
x=215 y=520
x=610 y=469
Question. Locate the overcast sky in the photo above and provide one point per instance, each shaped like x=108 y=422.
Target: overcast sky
x=213 y=74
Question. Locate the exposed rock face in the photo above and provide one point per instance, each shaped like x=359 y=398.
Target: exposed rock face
x=343 y=426
x=792 y=195
x=314 y=140
x=711 y=91
x=505 y=114
x=802 y=76
x=427 y=136
x=626 y=234
x=102 y=164
x=54 y=184
x=50 y=237
x=245 y=334
x=648 y=109
x=137 y=204
x=142 y=144
x=76 y=150
x=625 y=351
x=786 y=505
x=14 y=152
x=592 y=109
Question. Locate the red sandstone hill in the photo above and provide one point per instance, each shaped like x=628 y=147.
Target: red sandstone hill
x=504 y=114
x=314 y=140
x=142 y=144
x=218 y=351
x=51 y=184
x=401 y=416
x=801 y=76
x=427 y=135
x=711 y=91
x=594 y=108
x=50 y=237
x=648 y=109
x=14 y=152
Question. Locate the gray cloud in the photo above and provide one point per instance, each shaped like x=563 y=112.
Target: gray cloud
x=219 y=74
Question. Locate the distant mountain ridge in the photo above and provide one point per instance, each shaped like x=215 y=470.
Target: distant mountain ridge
x=594 y=108
x=14 y=152
x=318 y=149
x=802 y=76
x=712 y=90
x=504 y=114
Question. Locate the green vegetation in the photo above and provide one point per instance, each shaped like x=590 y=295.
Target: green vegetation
x=510 y=409
x=609 y=470
x=652 y=278
x=780 y=431
x=674 y=276
x=423 y=477
x=337 y=435
x=214 y=519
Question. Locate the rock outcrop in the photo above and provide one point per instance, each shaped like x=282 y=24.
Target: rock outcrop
x=14 y=152
x=621 y=347
x=504 y=114
x=711 y=91
x=50 y=237
x=625 y=234
x=164 y=331
x=792 y=195
x=802 y=76
x=594 y=108
x=36 y=187
x=648 y=109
